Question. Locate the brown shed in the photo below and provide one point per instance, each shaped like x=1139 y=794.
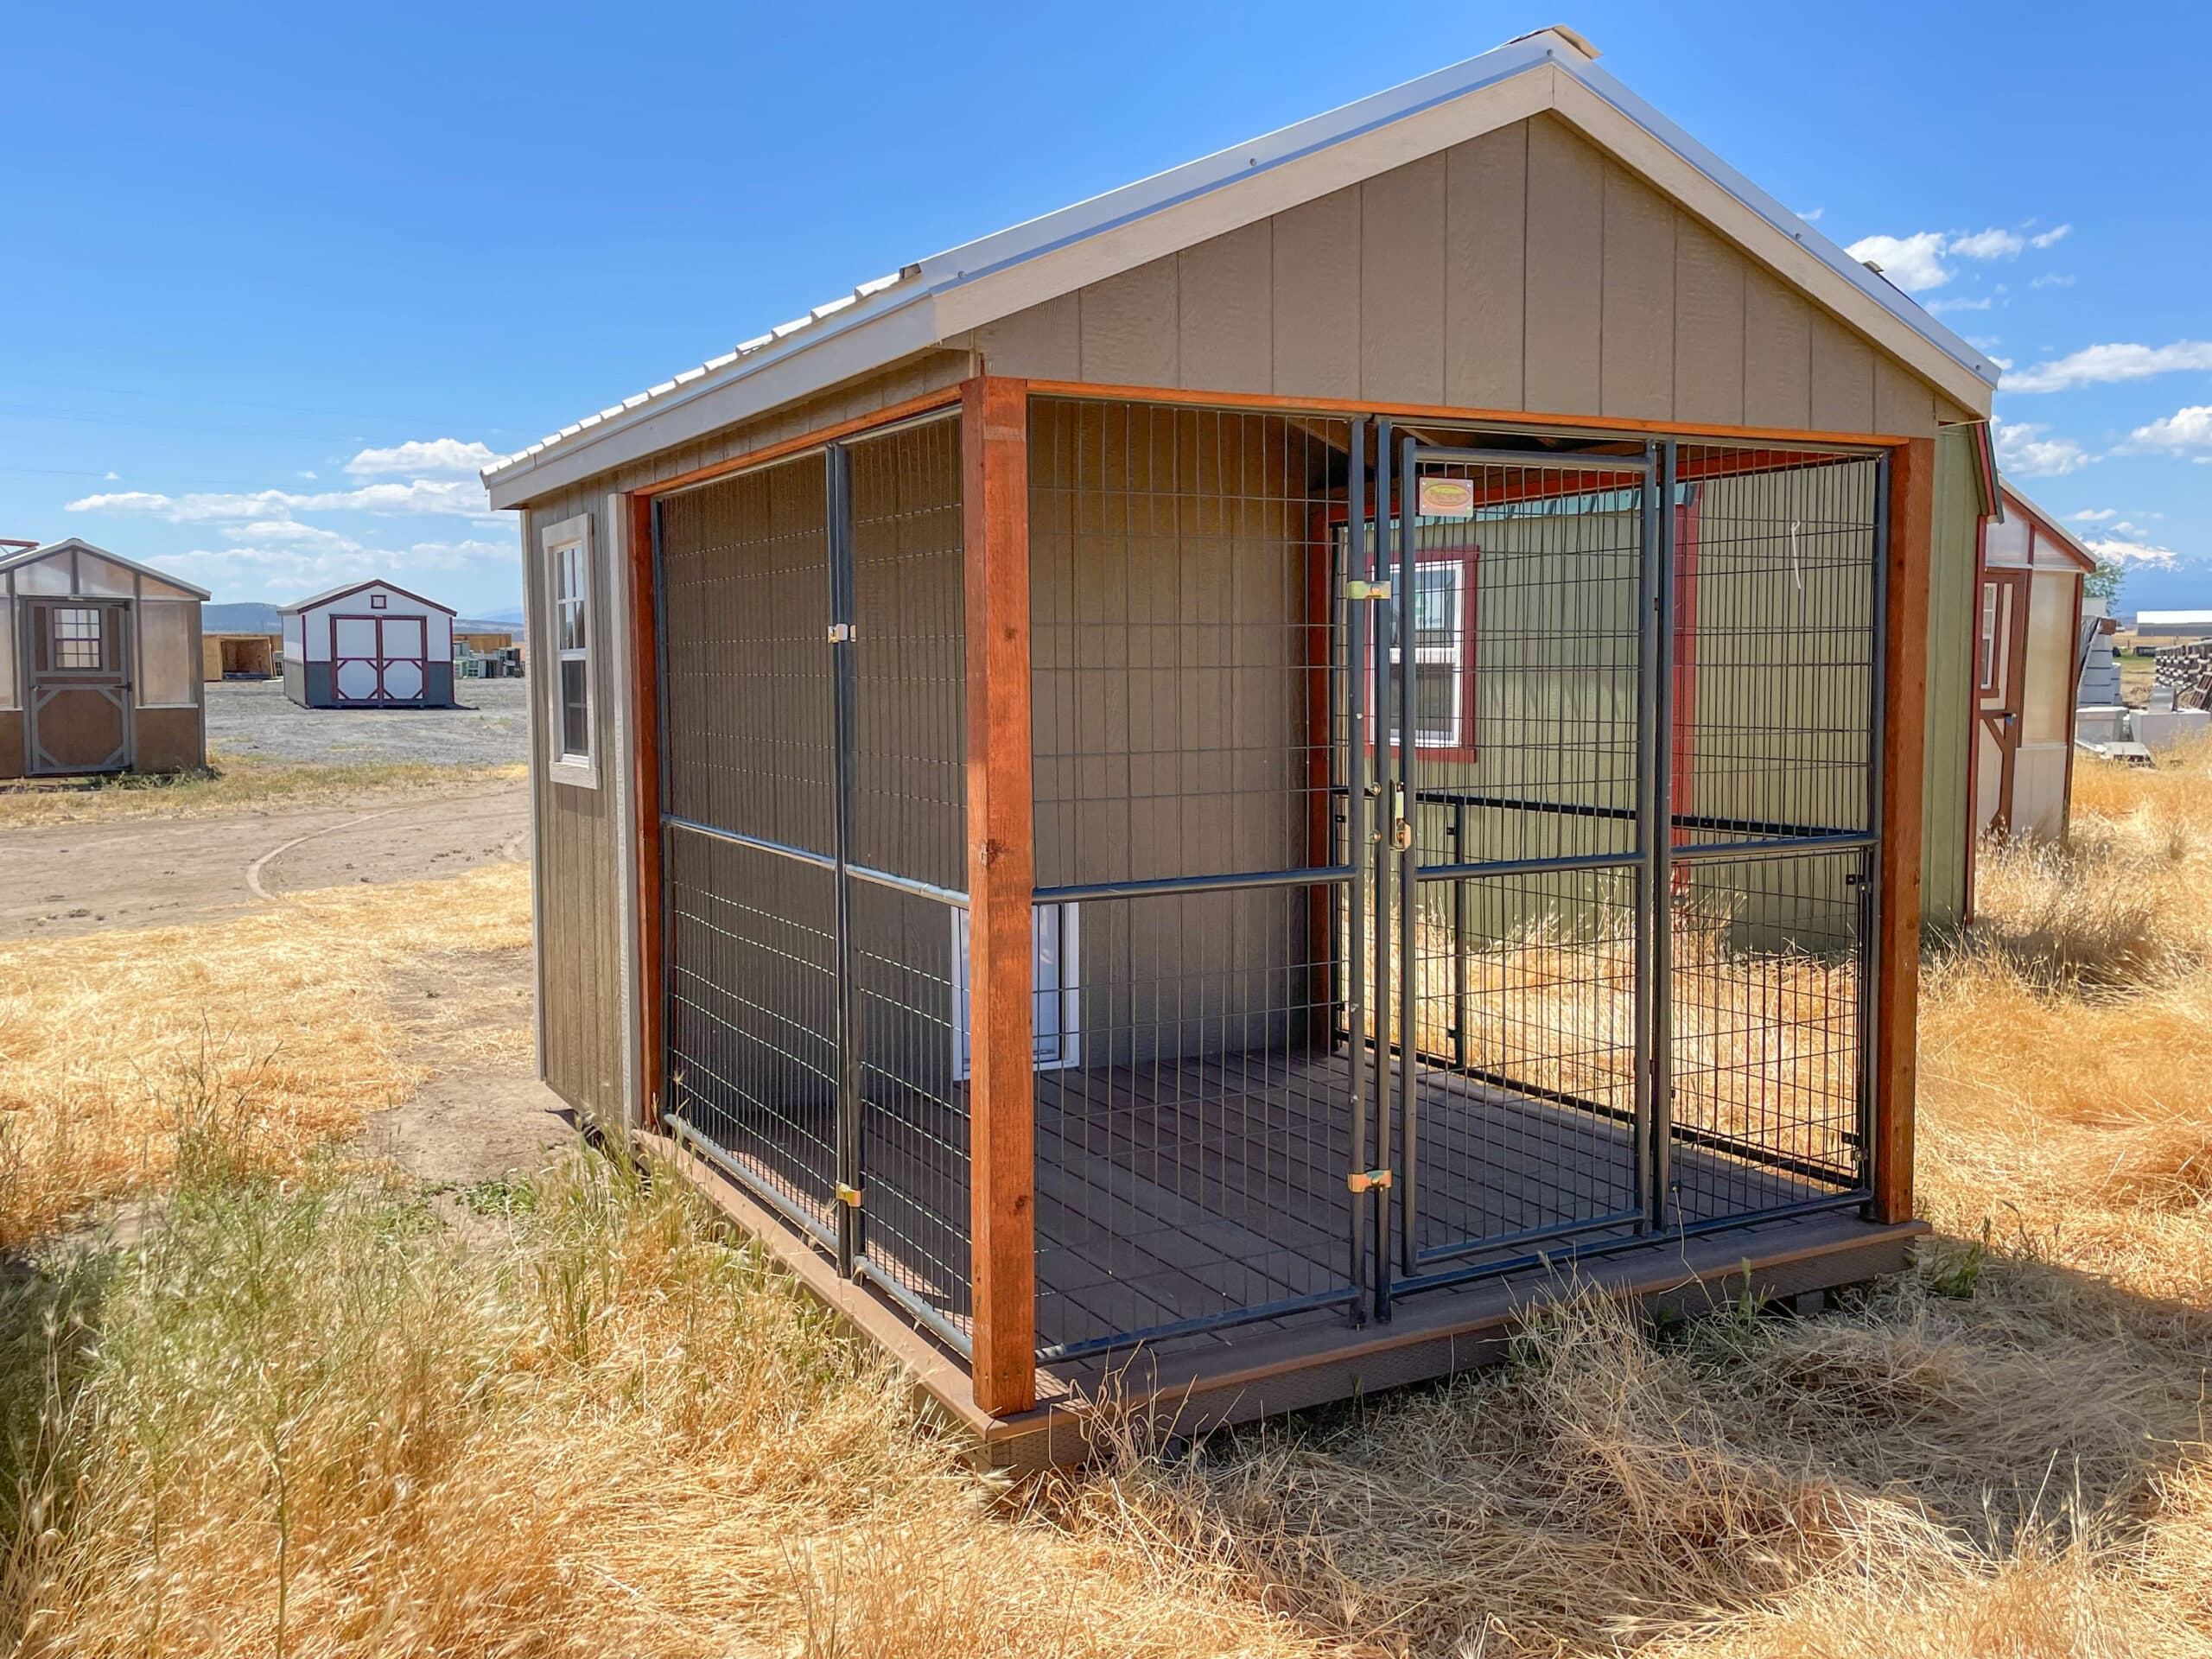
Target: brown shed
x=240 y=655
x=99 y=664
x=1197 y=795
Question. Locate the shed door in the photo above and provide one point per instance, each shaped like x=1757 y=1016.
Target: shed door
x=2000 y=668
x=376 y=659
x=79 y=655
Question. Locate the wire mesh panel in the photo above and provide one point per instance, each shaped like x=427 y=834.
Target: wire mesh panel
x=1775 y=603
x=910 y=811
x=1193 y=1141
x=1527 y=576
x=749 y=784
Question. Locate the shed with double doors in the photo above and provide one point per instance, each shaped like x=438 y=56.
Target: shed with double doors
x=99 y=664
x=1196 y=799
x=370 y=645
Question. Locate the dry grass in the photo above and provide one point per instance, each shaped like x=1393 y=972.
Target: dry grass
x=232 y=783
x=597 y=1428
x=113 y=1044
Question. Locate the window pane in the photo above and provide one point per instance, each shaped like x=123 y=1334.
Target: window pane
x=1436 y=606
x=570 y=626
x=167 y=651
x=1434 y=687
x=75 y=633
x=576 y=713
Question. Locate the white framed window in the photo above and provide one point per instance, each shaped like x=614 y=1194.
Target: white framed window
x=572 y=637
x=1055 y=981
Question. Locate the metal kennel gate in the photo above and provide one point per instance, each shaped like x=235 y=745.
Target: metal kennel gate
x=811 y=633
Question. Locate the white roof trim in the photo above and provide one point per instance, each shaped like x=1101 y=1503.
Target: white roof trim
x=29 y=555
x=938 y=299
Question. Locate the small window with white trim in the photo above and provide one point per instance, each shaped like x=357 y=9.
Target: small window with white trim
x=573 y=633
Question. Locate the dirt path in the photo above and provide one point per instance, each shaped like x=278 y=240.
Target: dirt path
x=77 y=878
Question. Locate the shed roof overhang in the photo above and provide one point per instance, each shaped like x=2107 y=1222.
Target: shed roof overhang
x=339 y=592
x=937 y=301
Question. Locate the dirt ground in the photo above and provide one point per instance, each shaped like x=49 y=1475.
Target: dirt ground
x=254 y=717
x=481 y=1113
x=75 y=878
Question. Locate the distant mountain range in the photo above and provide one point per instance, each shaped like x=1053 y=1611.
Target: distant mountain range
x=246 y=616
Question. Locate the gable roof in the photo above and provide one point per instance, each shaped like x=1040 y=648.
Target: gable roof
x=77 y=543
x=2069 y=542
x=934 y=300
x=339 y=592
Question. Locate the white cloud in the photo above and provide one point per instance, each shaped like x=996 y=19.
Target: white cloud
x=1991 y=244
x=2098 y=365
x=283 y=568
x=109 y=478
x=1913 y=263
x=2022 y=449
x=1812 y=215
x=2056 y=233
x=2091 y=515
x=2186 y=431
x=419 y=458
x=2052 y=279
x=1959 y=304
x=2001 y=362
x=460 y=498
x=309 y=476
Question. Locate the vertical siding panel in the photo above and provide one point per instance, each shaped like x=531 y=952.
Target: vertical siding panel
x=1843 y=378
x=1903 y=404
x=1401 y=284
x=1708 y=326
x=1226 y=311
x=1777 y=354
x=1316 y=283
x=1635 y=370
x=1127 y=327
x=1484 y=247
x=1564 y=269
x=1042 y=343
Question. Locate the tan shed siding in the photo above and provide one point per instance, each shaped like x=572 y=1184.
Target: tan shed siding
x=1401 y=283
x=1709 y=281
x=1777 y=353
x=1225 y=315
x=1564 y=280
x=1486 y=241
x=1316 y=283
x=577 y=851
x=1945 y=804
x=1522 y=270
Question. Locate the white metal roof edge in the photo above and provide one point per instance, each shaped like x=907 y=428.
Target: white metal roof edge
x=970 y=261
x=26 y=555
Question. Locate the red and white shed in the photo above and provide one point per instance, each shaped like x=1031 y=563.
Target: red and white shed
x=369 y=645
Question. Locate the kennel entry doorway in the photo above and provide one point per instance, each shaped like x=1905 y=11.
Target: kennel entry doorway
x=1451 y=848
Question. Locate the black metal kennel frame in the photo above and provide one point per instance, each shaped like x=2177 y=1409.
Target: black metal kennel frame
x=1322 y=1017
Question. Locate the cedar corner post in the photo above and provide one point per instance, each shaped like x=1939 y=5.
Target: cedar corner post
x=1001 y=1088
x=641 y=572
x=1903 y=739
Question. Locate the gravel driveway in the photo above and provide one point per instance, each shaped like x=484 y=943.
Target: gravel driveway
x=254 y=717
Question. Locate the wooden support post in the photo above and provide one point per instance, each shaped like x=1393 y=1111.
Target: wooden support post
x=1904 y=738
x=1001 y=1084
x=645 y=762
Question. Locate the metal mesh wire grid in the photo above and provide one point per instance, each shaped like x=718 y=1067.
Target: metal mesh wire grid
x=1193 y=1135
x=813 y=616
x=749 y=728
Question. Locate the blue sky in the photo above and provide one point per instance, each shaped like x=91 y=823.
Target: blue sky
x=277 y=278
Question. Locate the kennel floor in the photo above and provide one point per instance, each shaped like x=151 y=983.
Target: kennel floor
x=1186 y=1190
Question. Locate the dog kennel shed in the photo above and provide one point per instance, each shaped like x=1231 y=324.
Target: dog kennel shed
x=99 y=664
x=1191 y=798
x=369 y=645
